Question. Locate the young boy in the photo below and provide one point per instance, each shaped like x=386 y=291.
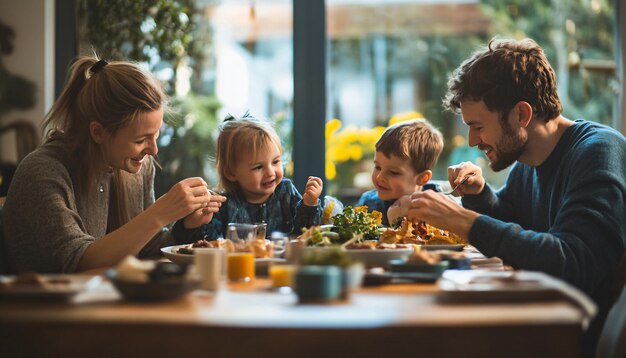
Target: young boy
x=405 y=155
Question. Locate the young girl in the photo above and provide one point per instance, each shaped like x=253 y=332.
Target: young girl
x=251 y=174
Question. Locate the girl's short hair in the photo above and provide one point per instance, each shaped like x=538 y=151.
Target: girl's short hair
x=415 y=140
x=238 y=136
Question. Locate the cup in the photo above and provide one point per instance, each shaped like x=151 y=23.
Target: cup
x=240 y=262
x=318 y=284
x=278 y=244
x=282 y=275
x=240 y=266
x=209 y=264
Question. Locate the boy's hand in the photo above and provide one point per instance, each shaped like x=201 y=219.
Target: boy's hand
x=399 y=209
x=312 y=191
x=204 y=215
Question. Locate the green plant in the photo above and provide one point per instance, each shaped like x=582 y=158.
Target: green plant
x=187 y=140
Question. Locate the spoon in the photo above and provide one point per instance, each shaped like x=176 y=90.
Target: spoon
x=461 y=183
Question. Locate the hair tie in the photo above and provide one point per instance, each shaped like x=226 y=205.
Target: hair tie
x=98 y=66
x=230 y=117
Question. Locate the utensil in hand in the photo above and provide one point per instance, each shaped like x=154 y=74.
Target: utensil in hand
x=459 y=185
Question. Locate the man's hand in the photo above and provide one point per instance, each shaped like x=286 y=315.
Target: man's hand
x=442 y=212
x=473 y=186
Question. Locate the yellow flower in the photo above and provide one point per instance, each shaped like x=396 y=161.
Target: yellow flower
x=331 y=170
x=327 y=211
x=332 y=127
x=378 y=217
x=356 y=152
x=361 y=209
x=405 y=116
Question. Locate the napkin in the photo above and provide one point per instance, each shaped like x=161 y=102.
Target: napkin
x=515 y=286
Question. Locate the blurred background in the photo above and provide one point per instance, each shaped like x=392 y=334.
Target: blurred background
x=329 y=92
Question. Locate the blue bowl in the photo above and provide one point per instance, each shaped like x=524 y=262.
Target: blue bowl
x=408 y=266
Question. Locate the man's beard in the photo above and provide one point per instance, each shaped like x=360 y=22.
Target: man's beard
x=508 y=149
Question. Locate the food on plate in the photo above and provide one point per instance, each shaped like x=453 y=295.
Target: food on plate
x=424 y=257
x=262 y=248
x=134 y=270
x=354 y=224
x=419 y=233
x=357 y=221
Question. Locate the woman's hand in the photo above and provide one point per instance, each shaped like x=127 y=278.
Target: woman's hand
x=312 y=191
x=474 y=185
x=205 y=214
x=187 y=197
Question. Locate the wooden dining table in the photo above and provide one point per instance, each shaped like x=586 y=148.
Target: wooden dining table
x=253 y=319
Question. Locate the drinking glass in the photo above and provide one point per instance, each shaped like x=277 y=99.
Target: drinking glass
x=240 y=262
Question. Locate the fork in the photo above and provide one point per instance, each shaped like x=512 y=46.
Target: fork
x=458 y=185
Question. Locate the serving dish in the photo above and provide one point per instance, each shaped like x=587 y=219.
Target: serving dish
x=402 y=266
x=153 y=290
x=452 y=247
x=369 y=258
x=50 y=287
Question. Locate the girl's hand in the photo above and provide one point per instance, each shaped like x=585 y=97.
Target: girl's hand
x=184 y=198
x=312 y=191
x=202 y=216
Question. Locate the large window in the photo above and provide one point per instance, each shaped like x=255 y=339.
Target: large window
x=390 y=60
x=386 y=61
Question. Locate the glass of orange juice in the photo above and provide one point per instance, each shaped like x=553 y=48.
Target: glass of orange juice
x=240 y=262
x=282 y=275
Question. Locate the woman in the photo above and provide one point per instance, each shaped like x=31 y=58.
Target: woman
x=85 y=198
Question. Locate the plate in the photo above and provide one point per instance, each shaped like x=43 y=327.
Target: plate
x=370 y=258
x=385 y=278
x=401 y=266
x=261 y=264
x=53 y=287
x=495 y=286
x=171 y=253
x=452 y=247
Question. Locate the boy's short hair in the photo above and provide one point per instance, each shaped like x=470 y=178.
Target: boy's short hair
x=415 y=140
x=241 y=136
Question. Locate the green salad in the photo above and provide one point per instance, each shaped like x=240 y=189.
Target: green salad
x=353 y=222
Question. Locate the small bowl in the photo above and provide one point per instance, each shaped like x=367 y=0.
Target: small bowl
x=408 y=266
x=154 y=290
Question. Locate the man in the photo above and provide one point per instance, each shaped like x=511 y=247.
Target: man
x=561 y=210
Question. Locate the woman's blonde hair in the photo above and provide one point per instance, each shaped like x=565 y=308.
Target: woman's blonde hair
x=415 y=140
x=112 y=93
x=239 y=136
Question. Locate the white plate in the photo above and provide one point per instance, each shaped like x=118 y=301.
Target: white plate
x=171 y=252
x=370 y=258
x=50 y=289
x=453 y=247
